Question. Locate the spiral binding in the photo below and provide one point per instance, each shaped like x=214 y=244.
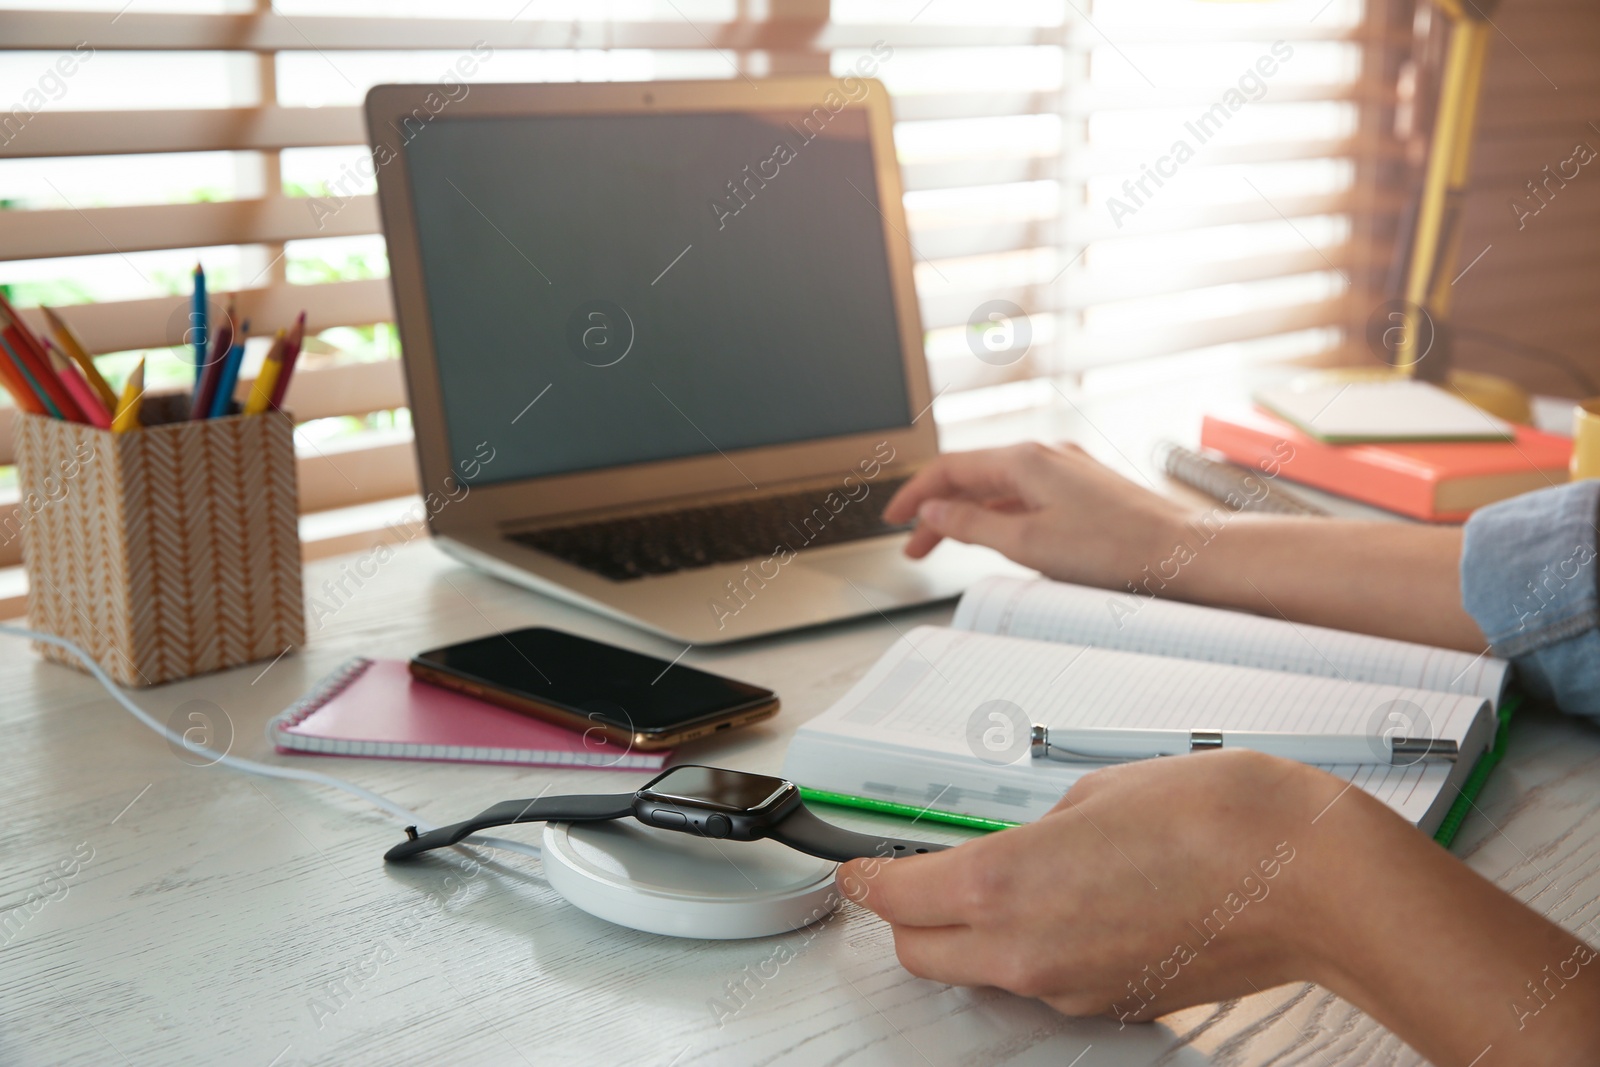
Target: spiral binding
x=1231 y=484
x=336 y=682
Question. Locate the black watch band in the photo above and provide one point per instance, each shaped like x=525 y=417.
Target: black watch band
x=541 y=809
x=799 y=829
x=802 y=831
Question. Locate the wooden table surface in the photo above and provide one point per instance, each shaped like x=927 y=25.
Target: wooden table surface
x=218 y=918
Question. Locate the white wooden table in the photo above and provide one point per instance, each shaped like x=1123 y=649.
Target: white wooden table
x=228 y=919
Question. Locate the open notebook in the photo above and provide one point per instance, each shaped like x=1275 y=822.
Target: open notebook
x=1073 y=656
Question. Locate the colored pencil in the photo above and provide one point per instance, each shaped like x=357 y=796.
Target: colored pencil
x=82 y=392
x=22 y=398
x=267 y=377
x=127 y=416
x=18 y=352
x=205 y=390
x=37 y=363
x=6 y=310
x=291 y=352
x=23 y=392
x=73 y=347
x=228 y=381
x=198 y=315
x=221 y=342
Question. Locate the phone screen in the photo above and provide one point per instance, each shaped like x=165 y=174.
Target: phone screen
x=636 y=692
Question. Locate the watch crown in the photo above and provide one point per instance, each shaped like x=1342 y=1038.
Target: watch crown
x=718 y=826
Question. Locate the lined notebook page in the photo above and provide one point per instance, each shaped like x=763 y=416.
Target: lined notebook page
x=1058 y=611
x=927 y=686
x=922 y=698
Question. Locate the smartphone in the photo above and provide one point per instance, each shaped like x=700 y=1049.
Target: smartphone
x=635 y=700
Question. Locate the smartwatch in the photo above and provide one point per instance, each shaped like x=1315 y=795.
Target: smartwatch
x=704 y=801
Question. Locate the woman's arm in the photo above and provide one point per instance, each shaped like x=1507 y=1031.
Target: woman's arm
x=1181 y=881
x=1157 y=885
x=1071 y=518
x=1392 y=579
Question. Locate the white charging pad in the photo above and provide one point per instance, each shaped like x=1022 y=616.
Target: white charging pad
x=670 y=883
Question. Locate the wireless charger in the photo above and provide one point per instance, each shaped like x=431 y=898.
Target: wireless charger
x=670 y=883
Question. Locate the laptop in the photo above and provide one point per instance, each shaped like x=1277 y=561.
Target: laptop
x=662 y=346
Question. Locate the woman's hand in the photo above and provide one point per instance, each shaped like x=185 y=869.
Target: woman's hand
x=1150 y=887
x=1055 y=510
x=1170 y=882
x=1070 y=518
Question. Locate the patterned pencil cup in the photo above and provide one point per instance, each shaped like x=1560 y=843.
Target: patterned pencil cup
x=164 y=552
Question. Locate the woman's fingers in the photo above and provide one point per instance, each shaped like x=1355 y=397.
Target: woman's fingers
x=967 y=956
x=1053 y=509
x=914 y=891
x=981 y=498
x=925 y=536
x=924 y=539
x=976 y=524
x=986 y=475
x=954 y=955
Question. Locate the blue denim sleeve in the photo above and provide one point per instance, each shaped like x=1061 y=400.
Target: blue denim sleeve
x=1528 y=576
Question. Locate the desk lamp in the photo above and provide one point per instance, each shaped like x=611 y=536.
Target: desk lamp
x=1431 y=248
x=1412 y=328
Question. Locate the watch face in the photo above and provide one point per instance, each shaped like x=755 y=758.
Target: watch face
x=716 y=788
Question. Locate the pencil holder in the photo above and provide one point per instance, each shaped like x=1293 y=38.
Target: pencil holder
x=164 y=552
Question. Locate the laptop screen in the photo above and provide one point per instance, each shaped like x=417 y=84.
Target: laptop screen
x=616 y=289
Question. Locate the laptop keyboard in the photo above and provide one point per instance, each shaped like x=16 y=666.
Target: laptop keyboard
x=640 y=545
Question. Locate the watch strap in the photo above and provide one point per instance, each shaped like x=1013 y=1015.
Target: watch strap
x=594 y=808
x=803 y=831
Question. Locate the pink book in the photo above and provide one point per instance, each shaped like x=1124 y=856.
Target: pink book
x=375 y=708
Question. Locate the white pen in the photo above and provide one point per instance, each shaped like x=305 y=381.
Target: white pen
x=1120 y=745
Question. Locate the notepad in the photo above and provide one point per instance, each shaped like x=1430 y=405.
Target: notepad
x=1072 y=656
x=376 y=708
x=1388 y=410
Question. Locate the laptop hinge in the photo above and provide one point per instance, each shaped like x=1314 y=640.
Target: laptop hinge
x=694 y=500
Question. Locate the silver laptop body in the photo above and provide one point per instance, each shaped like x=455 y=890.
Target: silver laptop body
x=662 y=345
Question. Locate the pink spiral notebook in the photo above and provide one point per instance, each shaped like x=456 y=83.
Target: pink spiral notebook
x=375 y=708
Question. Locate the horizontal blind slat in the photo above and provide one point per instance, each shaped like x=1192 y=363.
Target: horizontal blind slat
x=137 y=31
x=956 y=242
x=84 y=133
x=1088 y=289
x=1085 y=288
x=111 y=133
x=342 y=389
x=961 y=375
x=94 y=231
x=1080 y=102
x=1076 y=351
x=160 y=322
x=380 y=469
x=1082 y=351
x=1086 y=163
x=1093 y=222
x=48 y=233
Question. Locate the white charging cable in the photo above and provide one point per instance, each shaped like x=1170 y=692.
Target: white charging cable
x=265 y=770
